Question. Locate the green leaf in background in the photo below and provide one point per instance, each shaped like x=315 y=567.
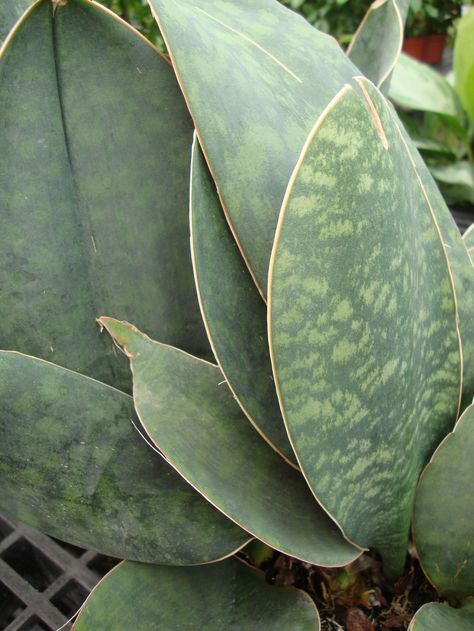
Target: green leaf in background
x=443 y=518
x=377 y=42
x=10 y=12
x=361 y=297
x=188 y=411
x=456 y=180
x=94 y=181
x=233 y=310
x=416 y=86
x=438 y=617
x=72 y=465
x=226 y=596
x=254 y=105
x=464 y=62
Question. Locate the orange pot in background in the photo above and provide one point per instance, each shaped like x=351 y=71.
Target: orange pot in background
x=427 y=48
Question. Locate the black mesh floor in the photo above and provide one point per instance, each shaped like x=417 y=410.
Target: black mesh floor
x=43 y=582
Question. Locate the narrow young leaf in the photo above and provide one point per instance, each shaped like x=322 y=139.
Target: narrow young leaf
x=234 y=312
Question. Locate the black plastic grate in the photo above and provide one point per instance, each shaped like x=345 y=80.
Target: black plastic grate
x=43 y=581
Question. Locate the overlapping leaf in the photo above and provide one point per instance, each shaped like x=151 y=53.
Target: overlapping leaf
x=234 y=313
x=227 y=596
x=468 y=239
x=377 y=42
x=363 y=322
x=72 y=465
x=443 y=519
x=190 y=414
x=95 y=144
x=254 y=105
x=437 y=617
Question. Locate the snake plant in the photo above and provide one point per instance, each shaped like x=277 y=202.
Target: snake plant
x=294 y=369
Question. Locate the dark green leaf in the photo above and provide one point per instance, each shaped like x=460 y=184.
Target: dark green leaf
x=10 y=12
x=72 y=464
x=438 y=617
x=227 y=596
x=95 y=145
x=255 y=76
x=443 y=518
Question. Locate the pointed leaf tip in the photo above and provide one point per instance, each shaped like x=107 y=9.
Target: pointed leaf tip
x=123 y=333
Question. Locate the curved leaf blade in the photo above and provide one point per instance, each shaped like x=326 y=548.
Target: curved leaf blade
x=227 y=596
x=89 y=224
x=255 y=105
x=377 y=43
x=364 y=369
x=190 y=414
x=72 y=465
x=438 y=617
x=464 y=62
x=10 y=12
x=443 y=516
x=233 y=311
x=468 y=238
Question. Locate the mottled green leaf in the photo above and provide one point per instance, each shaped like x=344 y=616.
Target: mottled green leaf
x=443 y=518
x=377 y=42
x=72 y=464
x=188 y=411
x=460 y=266
x=227 y=596
x=416 y=86
x=464 y=62
x=95 y=145
x=363 y=322
x=234 y=312
x=255 y=76
x=438 y=617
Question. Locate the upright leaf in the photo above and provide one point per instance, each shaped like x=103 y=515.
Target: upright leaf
x=190 y=414
x=363 y=322
x=227 y=596
x=71 y=464
x=234 y=313
x=438 y=617
x=95 y=144
x=443 y=518
x=464 y=62
x=271 y=75
x=378 y=41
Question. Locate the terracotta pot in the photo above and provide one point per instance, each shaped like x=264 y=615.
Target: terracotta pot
x=427 y=48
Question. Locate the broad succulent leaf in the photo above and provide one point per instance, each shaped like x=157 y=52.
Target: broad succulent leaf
x=72 y=465
x=10 y=12
x=95 y=144
x=378 y=41
x=464 y=62
x=416 y=86
x=439 y=617
x=254 y=105
x=226 y=596
x=443 y=518
x=233 y=310
x=361 y=297
x=460 y=265
x=189 y=413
